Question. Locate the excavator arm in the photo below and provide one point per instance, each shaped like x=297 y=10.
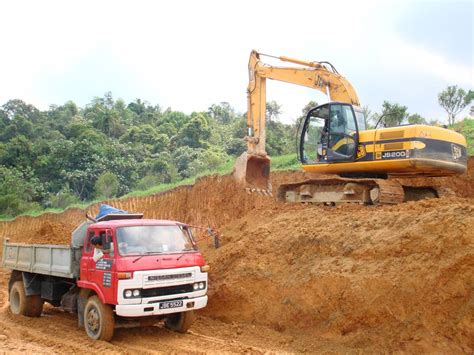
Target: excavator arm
x=253 y=167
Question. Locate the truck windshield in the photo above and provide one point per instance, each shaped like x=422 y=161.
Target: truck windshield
x=138 y=240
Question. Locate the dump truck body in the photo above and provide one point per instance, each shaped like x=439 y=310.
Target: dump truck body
x=53 y=260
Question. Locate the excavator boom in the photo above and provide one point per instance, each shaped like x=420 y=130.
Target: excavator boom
x=252 y=168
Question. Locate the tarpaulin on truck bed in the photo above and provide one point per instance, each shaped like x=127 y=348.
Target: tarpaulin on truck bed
x=104 y=210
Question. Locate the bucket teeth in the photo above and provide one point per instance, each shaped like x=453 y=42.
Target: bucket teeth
x=262 y=192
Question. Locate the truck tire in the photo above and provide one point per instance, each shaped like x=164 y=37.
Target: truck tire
x=20 y=303
x=180 y=322
x=99 y=320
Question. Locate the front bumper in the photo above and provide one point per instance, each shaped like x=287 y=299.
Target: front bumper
x=153 y=309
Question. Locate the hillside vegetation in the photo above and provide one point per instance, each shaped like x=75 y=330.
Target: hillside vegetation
x=69 y=155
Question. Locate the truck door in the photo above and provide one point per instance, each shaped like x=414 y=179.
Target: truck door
x=101 y=272
x=87 y=253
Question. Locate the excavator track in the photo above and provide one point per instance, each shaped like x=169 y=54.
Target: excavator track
x=343 y=190
x=391 y=192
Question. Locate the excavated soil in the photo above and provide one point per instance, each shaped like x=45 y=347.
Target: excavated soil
x=293 y=278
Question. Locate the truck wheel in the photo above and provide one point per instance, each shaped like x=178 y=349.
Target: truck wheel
x=99 y=319
x=20 y=303
x=180 y=322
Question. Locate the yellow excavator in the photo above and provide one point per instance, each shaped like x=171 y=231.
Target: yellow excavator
x=334 y=139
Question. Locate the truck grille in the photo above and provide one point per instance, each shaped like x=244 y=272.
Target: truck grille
x=169 y=277
x=164 y=291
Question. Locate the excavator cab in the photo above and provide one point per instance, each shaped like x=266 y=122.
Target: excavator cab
x=330 y=134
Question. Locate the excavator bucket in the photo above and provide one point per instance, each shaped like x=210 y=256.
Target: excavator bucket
x=253 y=171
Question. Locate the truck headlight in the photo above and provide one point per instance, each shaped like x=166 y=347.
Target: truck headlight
x=199 y=286
x=132 y=293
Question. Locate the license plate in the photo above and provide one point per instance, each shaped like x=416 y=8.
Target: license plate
x=171 y=304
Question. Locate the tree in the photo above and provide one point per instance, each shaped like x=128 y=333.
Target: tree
x=207 y=160
x=19 y=191
x=469 y=97
x=416 y=119
x=393 y=113
x=182 y=158
x=368 y=115
x=309 y=106
x=454 y=100
x=273 y=111
x=15 y=108
x=107 y=185
x=106 y=116
x=223 y=113
x=196 y=132
x=63 y=199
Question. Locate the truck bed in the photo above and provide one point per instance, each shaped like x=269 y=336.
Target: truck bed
x=55 y=260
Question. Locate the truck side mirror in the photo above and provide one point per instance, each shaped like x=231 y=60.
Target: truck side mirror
x=106 y=239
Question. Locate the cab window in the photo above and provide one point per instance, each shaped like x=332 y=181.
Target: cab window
x=88 y=244
x=342 y=132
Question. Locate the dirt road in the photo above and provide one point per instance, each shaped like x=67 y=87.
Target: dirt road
x=293 y=278
x=56 y=332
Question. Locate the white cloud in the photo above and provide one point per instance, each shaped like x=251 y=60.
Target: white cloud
x=404 y=54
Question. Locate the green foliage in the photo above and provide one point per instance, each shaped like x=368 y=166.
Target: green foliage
x=285 y=162
x=107 y=185
x=416 y=119
x=469 y=97
x=63 y=199
x=279 y=142
x=454 y=100
x=196 y=132
x=309 y=106
x=273 y=111
x=222 y=113
x=19 y=191
x=393 y=114
x=69 y=155
x=466 y=128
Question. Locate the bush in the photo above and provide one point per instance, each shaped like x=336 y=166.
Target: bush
x=107 y=185
x=63 y=199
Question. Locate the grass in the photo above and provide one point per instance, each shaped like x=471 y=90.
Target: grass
x=284 y=162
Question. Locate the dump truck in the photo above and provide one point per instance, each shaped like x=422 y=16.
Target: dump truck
x=138 y=271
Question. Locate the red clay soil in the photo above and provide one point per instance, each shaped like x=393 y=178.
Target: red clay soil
x=295 y=277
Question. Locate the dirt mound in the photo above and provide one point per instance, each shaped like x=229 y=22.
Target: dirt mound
x=400 y=277
x=213 y=200
x=344 y=278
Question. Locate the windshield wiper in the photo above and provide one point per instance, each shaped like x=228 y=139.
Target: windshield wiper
x=187 y=252
x=147 y=253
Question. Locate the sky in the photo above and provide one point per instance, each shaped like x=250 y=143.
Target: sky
x=188 y=55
